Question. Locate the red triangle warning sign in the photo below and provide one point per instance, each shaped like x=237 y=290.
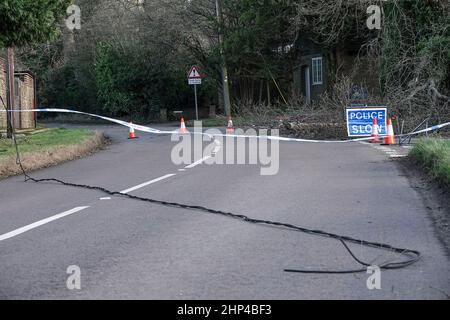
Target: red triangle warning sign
x=195 y=73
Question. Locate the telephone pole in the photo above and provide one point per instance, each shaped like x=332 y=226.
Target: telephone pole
x=10 y=94
x=225 y=80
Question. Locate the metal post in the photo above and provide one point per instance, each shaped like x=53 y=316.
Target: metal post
x=196 y=105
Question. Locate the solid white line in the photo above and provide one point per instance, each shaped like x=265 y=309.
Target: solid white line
x=39 y=223
x=196 y=163
x=147 y=183
x=398 y=156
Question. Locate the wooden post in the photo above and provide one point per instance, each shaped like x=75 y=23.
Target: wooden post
x=10 y=94
x=225 y=79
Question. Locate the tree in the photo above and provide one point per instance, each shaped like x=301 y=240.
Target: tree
x=25 y=22
x=415 y=58
x=30 y=21
x=138 y=82
x=258 y=42
x=410 y=53
x=255 y=37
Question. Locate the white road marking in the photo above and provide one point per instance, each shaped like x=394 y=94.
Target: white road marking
x=147 y=183
x=213 y=153
x=39 y=223
x=105 y=198
x=398 y=156
x=181 y=170
x=392 y=153
x=196 y=163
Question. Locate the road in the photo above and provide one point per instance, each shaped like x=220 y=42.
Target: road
x=128 y=249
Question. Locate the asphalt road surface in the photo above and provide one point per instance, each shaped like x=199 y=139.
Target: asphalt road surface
x=127 y=249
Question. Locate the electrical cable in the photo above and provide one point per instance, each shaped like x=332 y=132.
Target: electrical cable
x=412 y=256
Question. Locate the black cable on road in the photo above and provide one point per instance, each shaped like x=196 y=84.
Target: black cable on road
x=411 y=256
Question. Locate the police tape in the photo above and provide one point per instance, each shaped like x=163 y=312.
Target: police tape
x=272 y=137
x=412 y=256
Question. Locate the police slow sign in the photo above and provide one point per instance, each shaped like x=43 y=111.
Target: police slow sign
x=359 y=121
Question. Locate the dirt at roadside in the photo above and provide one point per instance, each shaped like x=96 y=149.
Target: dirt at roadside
x=39 y=160
x=435 y=198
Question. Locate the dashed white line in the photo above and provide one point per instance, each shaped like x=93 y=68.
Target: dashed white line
x=147 y=183
x=40 y=223
x=77 y=209
x=196 y=163
x=213 y=153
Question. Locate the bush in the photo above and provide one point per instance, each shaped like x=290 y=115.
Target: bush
x=434 y=156
x=138 y=83
x=60 y=88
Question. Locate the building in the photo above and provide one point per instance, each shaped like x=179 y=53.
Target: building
x=317 y=69
x=24 y=98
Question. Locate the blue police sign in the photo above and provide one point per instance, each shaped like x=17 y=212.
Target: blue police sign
x=359 y=121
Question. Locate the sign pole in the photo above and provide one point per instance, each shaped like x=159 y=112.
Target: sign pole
x=196 y=105
x=195 y=78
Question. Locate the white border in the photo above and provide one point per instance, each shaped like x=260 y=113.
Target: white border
x=364 y=108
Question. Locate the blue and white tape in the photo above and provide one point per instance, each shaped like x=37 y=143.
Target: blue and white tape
x=157 y=131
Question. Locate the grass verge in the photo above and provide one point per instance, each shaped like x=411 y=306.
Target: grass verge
x=433 y=155
x=48 y=148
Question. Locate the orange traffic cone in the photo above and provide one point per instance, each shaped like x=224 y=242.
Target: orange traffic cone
x=183 y=129
x=390 y=139
x=374 y=131
x=132 y=134
x=230 y=127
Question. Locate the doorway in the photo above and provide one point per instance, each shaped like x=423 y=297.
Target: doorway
x=306 y=83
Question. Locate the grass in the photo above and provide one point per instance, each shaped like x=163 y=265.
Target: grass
x=48 y=148
x=433 y=155
x=44 y=141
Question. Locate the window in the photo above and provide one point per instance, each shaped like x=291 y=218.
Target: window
x=317 y=70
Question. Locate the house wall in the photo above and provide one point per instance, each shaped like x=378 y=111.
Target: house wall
x=23 y=99
x=344 y=61
x=26 y=96
x=307 y=50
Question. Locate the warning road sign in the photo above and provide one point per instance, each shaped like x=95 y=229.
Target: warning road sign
x=195 y=73
x=195 y=78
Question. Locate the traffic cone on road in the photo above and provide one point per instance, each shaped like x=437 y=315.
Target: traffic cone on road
x=230 y=127
x=132 y=134
x=183 y=129
x=390 y=138
x=374 y=132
